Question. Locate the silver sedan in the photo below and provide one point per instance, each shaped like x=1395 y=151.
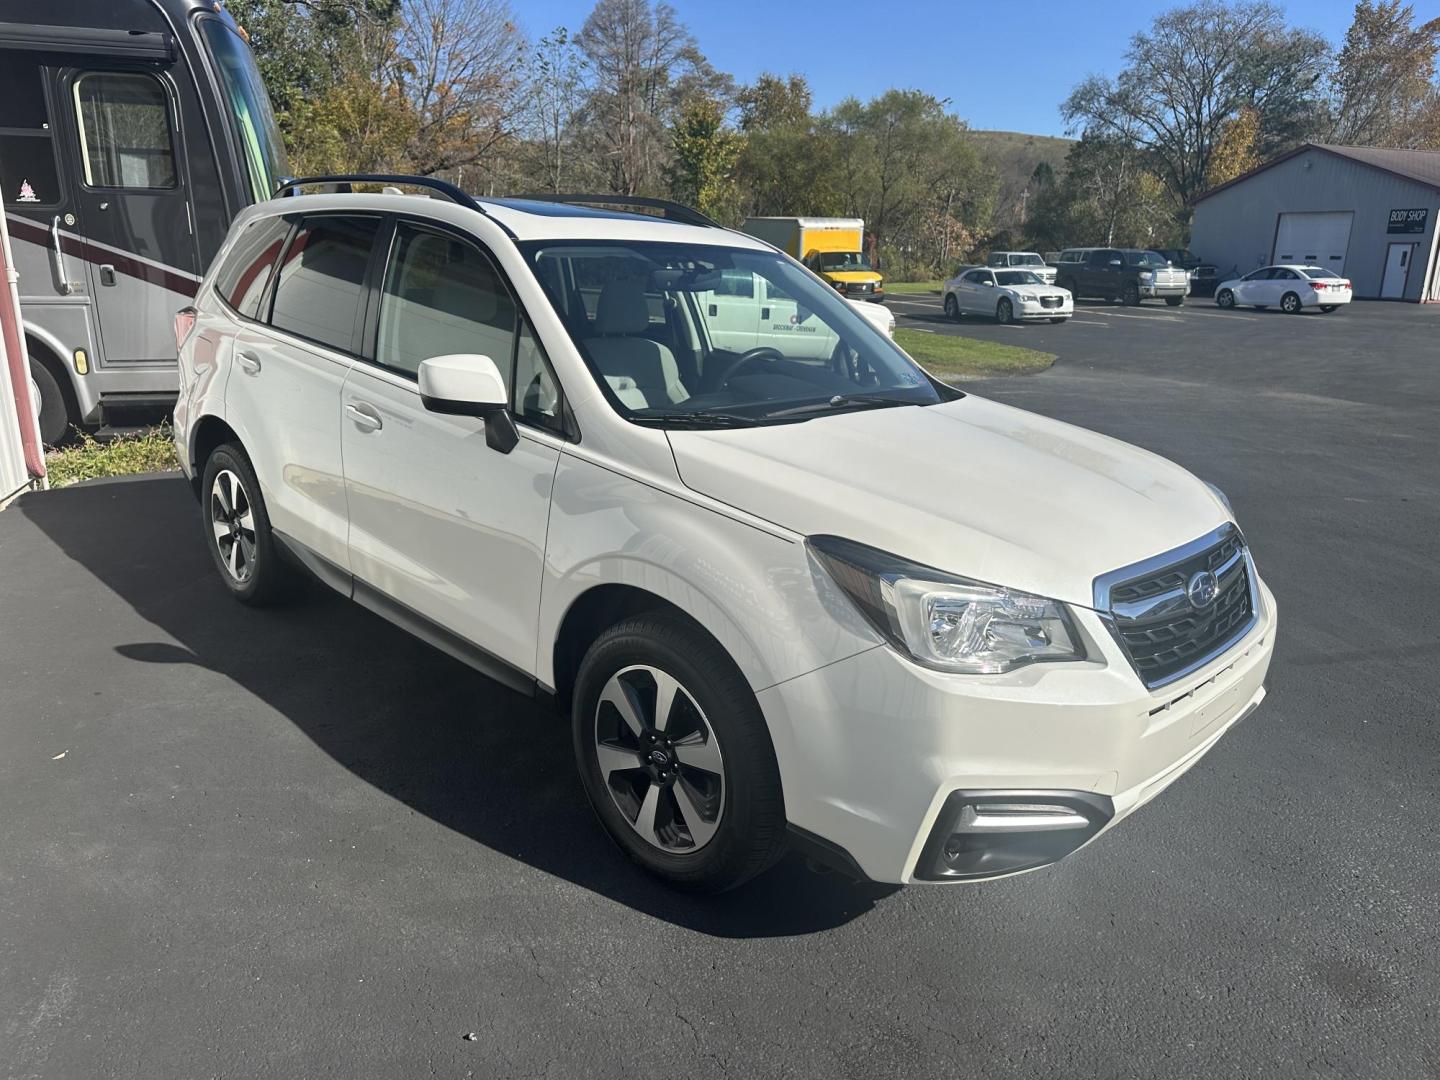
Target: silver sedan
x=1006 y=296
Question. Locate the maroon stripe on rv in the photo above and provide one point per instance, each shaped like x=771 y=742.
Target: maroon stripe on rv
x=123 y=264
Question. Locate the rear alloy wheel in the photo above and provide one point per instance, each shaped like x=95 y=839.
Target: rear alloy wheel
x=675 y=755
x=237 y=527
x=1225 y=299
x=1004 y=312
x=1290 y=303
x=1131 y=296
x=952 y=307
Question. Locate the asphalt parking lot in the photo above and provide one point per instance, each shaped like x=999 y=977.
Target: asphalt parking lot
x=300 y=843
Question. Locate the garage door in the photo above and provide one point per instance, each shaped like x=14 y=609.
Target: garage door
x=1314 y=239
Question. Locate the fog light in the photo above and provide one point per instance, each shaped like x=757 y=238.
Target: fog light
x=984 y=834
x=82 y=362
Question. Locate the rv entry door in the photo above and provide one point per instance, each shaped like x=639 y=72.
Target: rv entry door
x=134 y=213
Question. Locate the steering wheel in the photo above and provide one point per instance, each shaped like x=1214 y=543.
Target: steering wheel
x=749 y=356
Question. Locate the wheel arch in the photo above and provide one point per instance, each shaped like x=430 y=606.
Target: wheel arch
x=45 y=348
x=208 y=433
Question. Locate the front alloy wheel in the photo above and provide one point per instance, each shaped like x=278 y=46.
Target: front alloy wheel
x=1004 y=312
x=952 y=307
x=660 y=759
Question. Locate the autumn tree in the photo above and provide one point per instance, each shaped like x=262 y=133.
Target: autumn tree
x=702 y=173
x=1190 y=75
x=1384 y=91
x=1236 y=150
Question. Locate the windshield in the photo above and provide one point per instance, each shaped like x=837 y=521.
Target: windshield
x=1026 y=260
x=1146 y=258
x=843 y=260
x=688 y=334
x=1018 y=277
x=260 y=143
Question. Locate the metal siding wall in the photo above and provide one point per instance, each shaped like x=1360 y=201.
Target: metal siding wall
x=1236 y=227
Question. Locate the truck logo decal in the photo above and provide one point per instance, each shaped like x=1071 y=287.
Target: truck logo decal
x=27 y=193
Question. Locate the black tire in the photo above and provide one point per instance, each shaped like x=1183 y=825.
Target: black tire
x=952 y=307
x=1225 y=299
x=1327 y=308
x=1130 y=296
x=259 y=575
x=748 y=830
x=1174 y=301
x=1057 y=322
x=1290 y=303
x=55 y=419
x=1004 y=312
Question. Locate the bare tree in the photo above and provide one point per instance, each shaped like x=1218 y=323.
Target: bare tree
x=458 y=64
x=558 y=82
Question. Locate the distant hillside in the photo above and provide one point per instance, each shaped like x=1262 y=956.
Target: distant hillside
x=1013 y=155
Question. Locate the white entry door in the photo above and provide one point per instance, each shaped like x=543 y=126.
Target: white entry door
x=1314 y=239
x=1397 y=271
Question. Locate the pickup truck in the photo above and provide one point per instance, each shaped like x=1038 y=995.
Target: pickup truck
x=1126 y=274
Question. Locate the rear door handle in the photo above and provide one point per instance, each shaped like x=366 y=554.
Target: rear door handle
x=249 y=361
x=364 y=416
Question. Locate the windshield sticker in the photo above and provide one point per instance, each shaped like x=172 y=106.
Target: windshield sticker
x=27 y=193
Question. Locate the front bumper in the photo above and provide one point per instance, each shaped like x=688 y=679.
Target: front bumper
x=1153 y=290
x=872 y=748
x=1028 y=309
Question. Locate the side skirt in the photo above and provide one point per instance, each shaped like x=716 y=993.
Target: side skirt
x=410 y=620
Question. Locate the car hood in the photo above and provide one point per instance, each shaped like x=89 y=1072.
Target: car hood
x=970 y=486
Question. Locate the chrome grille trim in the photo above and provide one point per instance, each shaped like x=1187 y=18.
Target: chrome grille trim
x=1134 y=602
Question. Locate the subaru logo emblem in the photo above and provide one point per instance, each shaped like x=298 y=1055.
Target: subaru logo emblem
x=1202 y=589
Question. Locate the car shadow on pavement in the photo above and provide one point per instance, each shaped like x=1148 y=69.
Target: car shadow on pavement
x=466 y=752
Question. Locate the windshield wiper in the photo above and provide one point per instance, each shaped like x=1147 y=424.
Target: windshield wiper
x=697 y=419
x=840 y=401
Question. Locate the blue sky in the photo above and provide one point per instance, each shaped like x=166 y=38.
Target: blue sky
x=1003 y=64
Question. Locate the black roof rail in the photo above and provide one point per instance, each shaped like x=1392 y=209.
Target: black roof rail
x=671 y=211
x=344 y=180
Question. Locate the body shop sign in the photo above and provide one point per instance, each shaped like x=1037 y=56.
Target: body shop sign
x=1408 y=221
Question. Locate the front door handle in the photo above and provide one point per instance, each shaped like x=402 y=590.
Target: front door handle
x=764 y=314
x=364 y=416
x=107 y=274
x=249 y=361
x=57 y=259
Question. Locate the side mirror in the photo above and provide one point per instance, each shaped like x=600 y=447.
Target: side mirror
x=466 y=384
x=1116 y=262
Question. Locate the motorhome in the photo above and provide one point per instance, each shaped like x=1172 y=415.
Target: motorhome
x=834 y=248
x=131 y=133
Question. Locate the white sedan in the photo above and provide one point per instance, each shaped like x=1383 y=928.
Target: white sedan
x=1290 y=288
x=1006 y=296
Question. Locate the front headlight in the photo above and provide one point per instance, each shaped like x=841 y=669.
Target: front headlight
x=1029 y=297
x=946 y=622
x=1146 y=275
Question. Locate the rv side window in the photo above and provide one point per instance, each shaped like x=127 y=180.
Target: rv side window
x=124 y=131
x=241 y=281
x=322 y=277
x=27 y=153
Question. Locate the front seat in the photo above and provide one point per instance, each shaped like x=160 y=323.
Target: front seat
x=641 y=371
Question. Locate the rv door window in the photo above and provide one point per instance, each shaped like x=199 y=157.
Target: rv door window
x=124 y=131
x=28 y=177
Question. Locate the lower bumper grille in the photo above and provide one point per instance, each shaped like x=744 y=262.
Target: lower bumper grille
x=1172 y=614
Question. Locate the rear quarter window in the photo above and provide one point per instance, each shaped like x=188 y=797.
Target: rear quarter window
x=243 y=277
x=321 y=279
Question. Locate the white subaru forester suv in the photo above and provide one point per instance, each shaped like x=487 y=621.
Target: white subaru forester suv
x=791 y=590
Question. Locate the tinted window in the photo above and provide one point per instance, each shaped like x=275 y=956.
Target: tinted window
x=443 y=296
x=124 y=131
x=27 y=155
x=1282 y=274
x=322 y=277
x=241 y=281
x=537 y=393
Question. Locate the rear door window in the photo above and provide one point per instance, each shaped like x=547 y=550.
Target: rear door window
x=125 y=139
x=241 y=281
x=322 y=279
x=28 y=177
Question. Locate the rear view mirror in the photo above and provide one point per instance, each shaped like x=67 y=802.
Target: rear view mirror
x=468 y=384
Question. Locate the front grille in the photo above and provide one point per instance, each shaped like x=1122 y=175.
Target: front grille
x=1050 y=301
x=859 y=286
x=1162 y=631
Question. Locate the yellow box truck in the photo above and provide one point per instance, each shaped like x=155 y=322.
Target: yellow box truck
x=832 y=247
